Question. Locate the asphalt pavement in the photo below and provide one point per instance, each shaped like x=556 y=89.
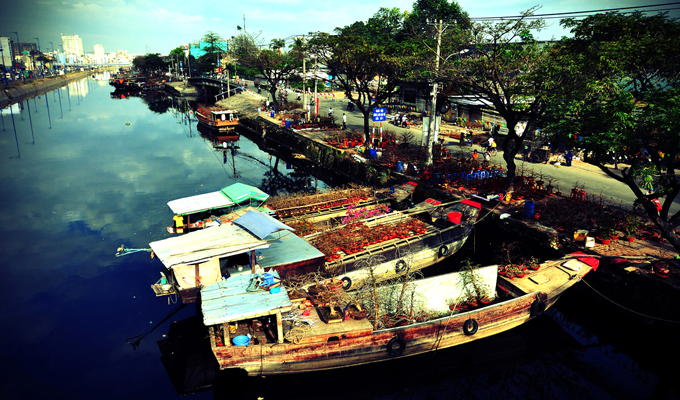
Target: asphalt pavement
x=581 y=174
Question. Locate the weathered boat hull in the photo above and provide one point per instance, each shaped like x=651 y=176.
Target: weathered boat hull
x=397 y=256
x=357 y=343
x=338 y=351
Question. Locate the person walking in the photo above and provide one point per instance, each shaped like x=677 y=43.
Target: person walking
x=568 y=157
x=330 y=112
x=344 y=121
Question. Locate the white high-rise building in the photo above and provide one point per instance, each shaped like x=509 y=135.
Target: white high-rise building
x=99 y=55
x=73 y=46
x=6 y=55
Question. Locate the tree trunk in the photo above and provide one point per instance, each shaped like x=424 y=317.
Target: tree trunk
x=272 y=91
x=367 y=128
x=511 y=145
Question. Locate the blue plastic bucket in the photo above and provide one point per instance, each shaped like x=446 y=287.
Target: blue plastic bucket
x=272 y=114
x=528 y=209
x=400 y=166
x=241 y=340
x=373 y=154
x=287 y=124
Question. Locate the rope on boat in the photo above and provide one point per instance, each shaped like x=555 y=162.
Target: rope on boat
x=122 y=251
x=628 y=309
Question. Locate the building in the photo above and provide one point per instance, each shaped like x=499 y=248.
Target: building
x=198 y=50
x=73 y=47
x=5 y=54
x=99 y=56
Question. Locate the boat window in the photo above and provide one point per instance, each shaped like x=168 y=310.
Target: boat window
x=333 y=339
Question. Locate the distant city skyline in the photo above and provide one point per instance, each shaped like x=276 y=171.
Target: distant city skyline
x=161 y=26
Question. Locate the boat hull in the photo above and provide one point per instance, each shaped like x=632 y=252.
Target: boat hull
x=355 y=342
x=337 y=352
x=218 y=126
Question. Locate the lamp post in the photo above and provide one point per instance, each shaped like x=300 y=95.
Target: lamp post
x=2 y=57
x=12 y=53
x=52 y=52
x=42 y=69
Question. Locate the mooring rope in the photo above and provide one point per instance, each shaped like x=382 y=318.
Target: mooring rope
x=628 y=309
x=123 y=251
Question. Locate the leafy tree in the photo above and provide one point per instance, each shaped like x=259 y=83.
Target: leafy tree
x=276 y=66
x=426 y=12
x=214 y=50
x=177 y=55
x=149 y=62
x=500 y=62
x=244 y=44
x=277 y=44
x=368 y=70
x=619 y=91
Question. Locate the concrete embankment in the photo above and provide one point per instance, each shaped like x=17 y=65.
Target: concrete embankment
x=20 y=91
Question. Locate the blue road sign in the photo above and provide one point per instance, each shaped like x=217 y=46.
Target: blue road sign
x=379 y=114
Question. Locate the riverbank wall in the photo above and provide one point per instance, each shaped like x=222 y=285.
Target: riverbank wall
x=24 y=90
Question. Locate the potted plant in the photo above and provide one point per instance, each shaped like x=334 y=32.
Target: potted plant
x=630 y=226
x=605 y=229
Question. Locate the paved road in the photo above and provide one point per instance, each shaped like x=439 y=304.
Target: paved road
x=596 y=182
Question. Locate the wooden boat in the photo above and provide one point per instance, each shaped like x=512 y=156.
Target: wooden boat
x=286 y=339
x=205 y=256
x=196 y=212
x=255 y=239
x=212 y=209
x=220 y=121
x=395 y=243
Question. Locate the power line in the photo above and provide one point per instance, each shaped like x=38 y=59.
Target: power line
x=562 y=14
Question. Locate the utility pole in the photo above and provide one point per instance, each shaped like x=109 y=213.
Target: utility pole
x=435 y=88
x=433 y=105
x=316 y=99
x=304 y=76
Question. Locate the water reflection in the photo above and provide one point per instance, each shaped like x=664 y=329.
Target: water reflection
x=102 y=176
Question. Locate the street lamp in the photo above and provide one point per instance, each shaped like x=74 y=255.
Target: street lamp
x=52 y=52
x=42 y=69
x=12 y=52
x=2 y=57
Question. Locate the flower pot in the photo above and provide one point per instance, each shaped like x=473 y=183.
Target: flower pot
x=603 y=241
x=630 y=238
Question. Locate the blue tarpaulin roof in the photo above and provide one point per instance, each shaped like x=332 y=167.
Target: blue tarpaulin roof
x=260 y=225
x=286 y=248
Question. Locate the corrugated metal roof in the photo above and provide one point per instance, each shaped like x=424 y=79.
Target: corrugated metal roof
x=191 y=248
x=260 y=224
x=228 y=300
x=240 y=192
x=201 y=202
x=285 y=248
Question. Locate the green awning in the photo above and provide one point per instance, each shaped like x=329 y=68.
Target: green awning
x=240 y=192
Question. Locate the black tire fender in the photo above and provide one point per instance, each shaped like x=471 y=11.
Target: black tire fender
x=396 y=346
x=443 y=251
x=400 y=266
x=346 y=283
x=537 y=308
x=470 y=327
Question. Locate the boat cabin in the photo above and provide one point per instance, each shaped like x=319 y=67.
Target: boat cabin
x=194 y=212
x=206 y=256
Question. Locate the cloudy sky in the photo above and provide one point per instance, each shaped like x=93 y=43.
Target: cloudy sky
x=163 y=25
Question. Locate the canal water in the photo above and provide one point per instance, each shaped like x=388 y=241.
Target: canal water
x=84 y=171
